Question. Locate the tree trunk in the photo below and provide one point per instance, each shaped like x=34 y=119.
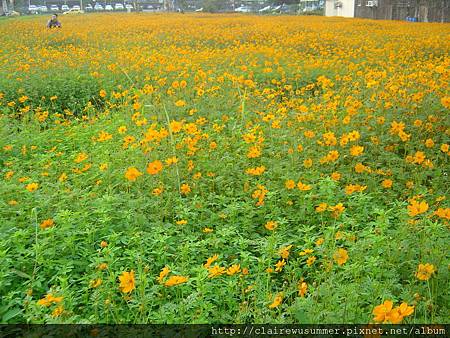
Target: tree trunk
x=4 y=7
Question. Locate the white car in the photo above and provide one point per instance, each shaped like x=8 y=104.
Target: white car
x=129 y=6
x=108 y=8
x=65 y=8
x=243 y=9
x=89 y=7
x=54 y=8
x=43 y=9
x=33 y=9
x=98 y=7
x=119 y=7
x=265 y=9
x=199 y=10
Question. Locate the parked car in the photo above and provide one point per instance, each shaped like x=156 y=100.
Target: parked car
x=54 y=8
x=88 y=7
x=108 y=8
x=76 y=7
x=98 y=7
x=43 y=9
x=265 y=9
x=33 y=9
x=243 y=9
x=65 y=8
x=199 y=9
x=74 y=11
x=119 y=7
x=129 y=6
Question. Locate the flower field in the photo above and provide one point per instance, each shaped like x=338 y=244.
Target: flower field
x=224 y=169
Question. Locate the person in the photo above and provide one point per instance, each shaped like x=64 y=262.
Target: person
x=53 y=22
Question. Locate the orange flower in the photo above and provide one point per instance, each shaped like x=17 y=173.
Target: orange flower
x=132 y=174
x=49 y=299
x=154 y=167
x=382 y=311
x=48 y=223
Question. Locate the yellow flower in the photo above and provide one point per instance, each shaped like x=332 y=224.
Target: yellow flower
x=185 y=189
x=216 y=271
x=157 y=191
x=176 y=280
x=387 y=184
x=211 y=260
x=425 y=271
x=95 y=283
x=132 y=174
x=308 y=163
x=279 y=265
x=337 y=210
x=320 y=241
x=340 y=256
x=356 y=150
x=235 y=268
x=417 y=208
x=310 y=261
x=271 y=225
x=284 y=251
x=335 y=176
x=302 y=289
x=405 y=310
x=127 y=282
x=163 y=274
x=32 y=187
x=80 y=157
x=277 y=301
x=303 y=187
x=321 y=207
x=382 y=311
x=180 y=103
x=57 y=311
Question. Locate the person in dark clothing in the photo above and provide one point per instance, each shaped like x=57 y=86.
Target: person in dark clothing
x=53 y=22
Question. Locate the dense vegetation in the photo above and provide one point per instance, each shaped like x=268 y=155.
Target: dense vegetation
x=201 y=168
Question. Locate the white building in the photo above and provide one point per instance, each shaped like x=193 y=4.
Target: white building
x=345 y=8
